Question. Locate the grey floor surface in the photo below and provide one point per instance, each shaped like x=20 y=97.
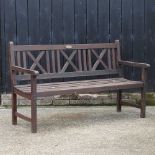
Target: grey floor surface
x=79 y=131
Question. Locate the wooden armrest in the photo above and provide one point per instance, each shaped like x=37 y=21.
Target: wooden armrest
x=134 y=64
x=24 y=70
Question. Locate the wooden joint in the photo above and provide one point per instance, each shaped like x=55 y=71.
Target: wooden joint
x=23 y=117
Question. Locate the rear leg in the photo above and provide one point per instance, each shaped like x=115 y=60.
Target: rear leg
x=119 y=99
x=143 y=104
x=14 y=108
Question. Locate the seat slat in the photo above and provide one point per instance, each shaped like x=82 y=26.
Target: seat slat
x=81 y=86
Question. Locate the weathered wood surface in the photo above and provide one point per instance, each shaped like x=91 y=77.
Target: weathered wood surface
x=79 y=21
x=85 y=86
x=107 y=62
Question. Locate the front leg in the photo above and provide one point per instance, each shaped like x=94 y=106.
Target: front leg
x=33 y=104
x=119 y=99
x=14 y=108
x=143 y=104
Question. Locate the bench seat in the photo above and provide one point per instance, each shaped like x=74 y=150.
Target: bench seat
x=84 y=86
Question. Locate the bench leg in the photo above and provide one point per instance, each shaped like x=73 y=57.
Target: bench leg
x=14 y=108
x=143 y=104
x=33 y=116
x=119 y=98
x=0 y=98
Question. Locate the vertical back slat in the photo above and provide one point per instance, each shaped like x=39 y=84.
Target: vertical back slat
x=53 y=61
x=12 y=53
x=48 y=61
x=58 y=60
x=18 y=59
x=89 y=59
x=24 y=60
x=79 y=60
x=84 y=60
x=118 y=49
x=113 y=59
x=109 y=58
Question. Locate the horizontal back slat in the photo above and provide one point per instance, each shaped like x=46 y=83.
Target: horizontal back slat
x=21 y=48
x=69 y=74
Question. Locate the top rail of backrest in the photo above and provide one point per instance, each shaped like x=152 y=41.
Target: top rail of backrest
x=62 y=47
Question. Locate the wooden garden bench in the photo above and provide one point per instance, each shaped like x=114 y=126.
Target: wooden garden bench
x=38 y=64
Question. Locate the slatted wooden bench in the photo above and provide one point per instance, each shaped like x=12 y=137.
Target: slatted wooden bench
x=38 y=64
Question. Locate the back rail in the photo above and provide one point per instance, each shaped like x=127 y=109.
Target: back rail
x=32 y=48
x=68 y=74
x=92 y=59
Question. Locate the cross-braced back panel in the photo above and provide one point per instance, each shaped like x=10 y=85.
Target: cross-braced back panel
x=67 y=59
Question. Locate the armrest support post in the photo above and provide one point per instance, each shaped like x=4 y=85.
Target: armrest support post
x=144 y=76
x=33 y=86
x=33 y=103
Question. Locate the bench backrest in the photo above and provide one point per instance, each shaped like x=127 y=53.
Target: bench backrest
x=61 y=61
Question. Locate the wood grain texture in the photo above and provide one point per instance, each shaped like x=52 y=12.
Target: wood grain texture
x=79 y=21
x=85 y=86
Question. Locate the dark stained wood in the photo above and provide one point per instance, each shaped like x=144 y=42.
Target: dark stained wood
x=36 y=61
x=119 y=100
x=48 y=62
x=118 y=50
x=33 y=104
x=89 y=60
x=68 y=61
x=99 y=59
x=84 y=60
x=113 y=59
x=134 y=64
x=14 y=108
x=58 y=61
x=79 y=21
x=79 y=60
x=107 y=59
x=24 y=70
x=23 y=94
x=24 y=60
x=142 y=104
x=62 y=47
x=18 y=59
x=22 y=117
x=69 y=74
x=86 y=86
x=53 y=62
